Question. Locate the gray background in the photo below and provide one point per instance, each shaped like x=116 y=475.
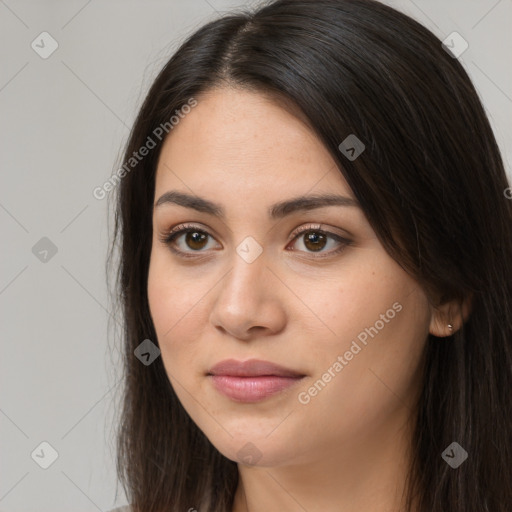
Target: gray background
x=64 y=120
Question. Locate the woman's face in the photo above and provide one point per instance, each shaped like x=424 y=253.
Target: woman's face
x=327 y=303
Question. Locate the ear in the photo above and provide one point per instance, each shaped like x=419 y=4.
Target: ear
x=454 y=313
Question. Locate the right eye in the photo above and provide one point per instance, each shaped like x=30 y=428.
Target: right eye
x=186 y=236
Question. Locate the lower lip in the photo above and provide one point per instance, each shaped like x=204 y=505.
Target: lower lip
x=252 y=389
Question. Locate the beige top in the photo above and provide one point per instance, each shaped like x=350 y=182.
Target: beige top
x=125 y=508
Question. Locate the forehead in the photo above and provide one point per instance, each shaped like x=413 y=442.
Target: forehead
x=244 y=142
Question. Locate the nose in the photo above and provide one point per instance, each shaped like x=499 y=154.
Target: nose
x=249 y=302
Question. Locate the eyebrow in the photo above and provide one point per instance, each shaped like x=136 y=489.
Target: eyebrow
x=276 y=211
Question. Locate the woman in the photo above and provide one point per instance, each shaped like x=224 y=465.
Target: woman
x=315 y=272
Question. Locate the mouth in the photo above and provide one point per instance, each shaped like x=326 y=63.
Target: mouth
x=252 y=380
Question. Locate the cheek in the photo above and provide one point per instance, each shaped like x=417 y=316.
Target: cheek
x=378 y=323
x=334 y=310
x=382 y=359
x=174 y=293
x=174 y=304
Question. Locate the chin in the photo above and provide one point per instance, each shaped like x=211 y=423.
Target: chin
x=258 y=450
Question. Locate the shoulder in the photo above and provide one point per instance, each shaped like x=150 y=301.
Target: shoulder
x=125 y=508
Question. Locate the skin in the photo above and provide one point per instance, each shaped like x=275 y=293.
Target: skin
x=346 y=449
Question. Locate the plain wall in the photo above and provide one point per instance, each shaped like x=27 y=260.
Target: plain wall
x=64 y=120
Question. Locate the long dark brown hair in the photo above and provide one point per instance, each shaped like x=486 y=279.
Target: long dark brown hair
x=431 y=182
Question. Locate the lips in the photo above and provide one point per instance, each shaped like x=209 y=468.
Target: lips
x=251 y=381
x=252 y=368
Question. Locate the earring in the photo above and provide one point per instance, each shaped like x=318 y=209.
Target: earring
x=450 y=326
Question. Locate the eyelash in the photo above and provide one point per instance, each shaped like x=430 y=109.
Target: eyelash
x=170 y=236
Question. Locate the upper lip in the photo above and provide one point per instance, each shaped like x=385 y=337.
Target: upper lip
x=251 y=368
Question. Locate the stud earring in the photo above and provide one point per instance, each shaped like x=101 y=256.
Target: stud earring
x=450 y=326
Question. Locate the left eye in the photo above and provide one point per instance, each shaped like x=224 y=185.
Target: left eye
x=315 y=240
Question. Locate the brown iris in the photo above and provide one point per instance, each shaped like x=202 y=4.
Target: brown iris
x=317 y=240
x=195 y=237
